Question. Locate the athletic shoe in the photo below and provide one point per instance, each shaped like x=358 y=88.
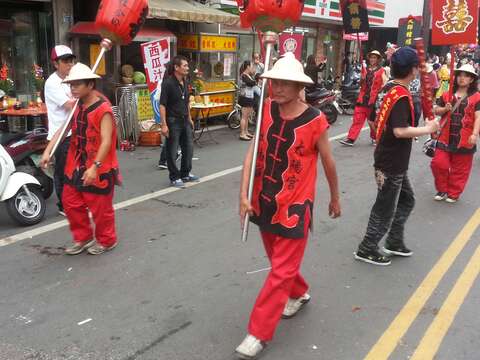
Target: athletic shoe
x=347 y=142
x=440 y=196
x=397 y=250
x=191 y=178
x=451 y=200
x=372 y=257
x=249 y=348
x=293 y=306
x=61 y=212
x=78 y=247
x=162 y=166
x=98 y=249
x=178 y=184
x=373 y=142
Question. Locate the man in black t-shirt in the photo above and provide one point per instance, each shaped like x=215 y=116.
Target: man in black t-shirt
x=178 y=124
x=395 y=198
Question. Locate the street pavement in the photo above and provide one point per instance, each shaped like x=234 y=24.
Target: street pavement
x=181 y=284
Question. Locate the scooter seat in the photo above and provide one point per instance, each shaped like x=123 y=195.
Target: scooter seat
x=317 y=94
x=6 y=138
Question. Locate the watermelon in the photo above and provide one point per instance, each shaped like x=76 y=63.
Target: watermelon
x=139 y=77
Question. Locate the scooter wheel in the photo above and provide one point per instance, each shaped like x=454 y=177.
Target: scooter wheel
x=331 y=113
x=233 y=119
x=24 y=210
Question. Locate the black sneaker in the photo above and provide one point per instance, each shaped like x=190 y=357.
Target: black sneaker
x=372 y=257
x=397 y=250
x=439 y=196
x=162 y=166
x=347 y=142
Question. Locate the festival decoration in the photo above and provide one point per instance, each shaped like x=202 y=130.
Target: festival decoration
x=269 y=15
x=354 y=16
x=37 y=75
x=6 y=84
x=427 y=97
x=118 y=21
x=454 y=22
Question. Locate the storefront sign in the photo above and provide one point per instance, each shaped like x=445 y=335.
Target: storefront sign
x=355 y=16
x=454 y=22
x=188 y=42
x=409 y=28
x=218 y=43
x=156 y=55
x=291 y=43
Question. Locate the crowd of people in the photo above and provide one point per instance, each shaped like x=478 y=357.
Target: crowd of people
x=293 y=138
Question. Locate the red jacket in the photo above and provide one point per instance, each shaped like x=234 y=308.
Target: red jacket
x=286 y=171
x=467 y=122
x=376 y=86
x=84 y=145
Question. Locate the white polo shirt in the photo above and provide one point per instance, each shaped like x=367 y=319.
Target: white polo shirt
x=56 y=95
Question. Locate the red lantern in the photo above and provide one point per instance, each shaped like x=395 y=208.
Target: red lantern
x=120 y=20
x=270 y=15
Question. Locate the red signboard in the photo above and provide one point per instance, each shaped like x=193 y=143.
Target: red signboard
x=454 y=22
x=291 y=43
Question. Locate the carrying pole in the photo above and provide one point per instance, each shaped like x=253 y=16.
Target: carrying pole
x=269 y=39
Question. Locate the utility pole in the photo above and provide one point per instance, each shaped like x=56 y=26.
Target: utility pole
x=427 y=15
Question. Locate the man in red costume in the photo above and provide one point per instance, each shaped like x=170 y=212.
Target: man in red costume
x=293 y=136
x=458 y=137
x=91 y=169
x=373 y=80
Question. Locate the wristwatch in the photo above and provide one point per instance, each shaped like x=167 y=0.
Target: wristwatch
x=97 y=164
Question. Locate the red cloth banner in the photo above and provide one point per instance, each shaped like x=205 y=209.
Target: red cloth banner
x=454 y=22
x=354 y=37
x=291 y=43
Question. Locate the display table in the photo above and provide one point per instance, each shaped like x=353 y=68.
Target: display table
x=200 y=119
x=25 y=119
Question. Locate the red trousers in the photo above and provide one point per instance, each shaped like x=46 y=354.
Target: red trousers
x=76 y=205
x=361 y=114
x=283 y=281
x=451 y=172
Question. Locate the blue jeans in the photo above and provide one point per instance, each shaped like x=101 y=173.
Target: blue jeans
x=180 y=134
x=394 y=203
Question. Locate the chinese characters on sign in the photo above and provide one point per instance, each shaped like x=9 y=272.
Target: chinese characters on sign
x=408 y=29
x=355 y=16
x=291 y=43
x=454 y=21
x=218 y=43
x=156 y=55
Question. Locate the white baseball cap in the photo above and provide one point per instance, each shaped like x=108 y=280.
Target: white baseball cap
x=288 y=68
x=80 y=71
x=61 y=52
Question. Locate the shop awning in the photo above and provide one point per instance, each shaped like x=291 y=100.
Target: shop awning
x=189 y=10
x=146 y=33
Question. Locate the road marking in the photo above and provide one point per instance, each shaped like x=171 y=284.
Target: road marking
x=399 y=326
x=84 y=321
x=341 y=136
x=9 y=240
x=257 y=271
x=432 y=339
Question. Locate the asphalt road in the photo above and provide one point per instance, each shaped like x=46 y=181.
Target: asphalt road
x=181 y=284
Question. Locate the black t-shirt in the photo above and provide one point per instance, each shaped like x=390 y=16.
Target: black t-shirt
x=175 y=97
x=392 y=154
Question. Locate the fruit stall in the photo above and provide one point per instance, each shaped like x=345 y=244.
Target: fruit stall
x=213 y=68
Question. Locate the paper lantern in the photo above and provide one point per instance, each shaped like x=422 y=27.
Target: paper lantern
x=120 y=20
x=270 y=15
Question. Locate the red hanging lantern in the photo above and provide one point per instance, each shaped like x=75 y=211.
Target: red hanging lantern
x=120 y=20
x=270 y=15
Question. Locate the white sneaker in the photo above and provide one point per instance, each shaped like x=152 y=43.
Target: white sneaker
x=451 y=200
x=249 y=348
x=293 y=306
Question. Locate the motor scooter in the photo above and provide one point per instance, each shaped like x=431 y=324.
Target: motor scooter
x=324 y=100
x=26 y=151
x=21 y=193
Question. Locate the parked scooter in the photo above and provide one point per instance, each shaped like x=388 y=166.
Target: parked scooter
x=21 y=192
x=26 y=151
x=324 y=100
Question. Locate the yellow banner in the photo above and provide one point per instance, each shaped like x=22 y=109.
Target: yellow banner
x=94 y=51
x=218 y=43
x=188 y=42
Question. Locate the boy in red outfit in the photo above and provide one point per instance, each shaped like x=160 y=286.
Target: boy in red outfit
x=373 y=80
x=292 y=137
x=91 y=169
x=458 y=137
